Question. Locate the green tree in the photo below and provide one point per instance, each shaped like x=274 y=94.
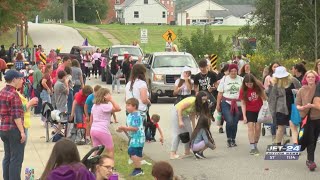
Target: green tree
x=13 y=12
x=86 y=10
x=298 y=34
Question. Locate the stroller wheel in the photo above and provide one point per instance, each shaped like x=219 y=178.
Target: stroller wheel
x=263 y=131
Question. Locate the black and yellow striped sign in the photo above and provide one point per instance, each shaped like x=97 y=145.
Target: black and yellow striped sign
x=213 y=61
x=43 y=58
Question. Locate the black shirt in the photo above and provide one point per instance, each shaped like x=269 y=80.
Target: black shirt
x=202 y=81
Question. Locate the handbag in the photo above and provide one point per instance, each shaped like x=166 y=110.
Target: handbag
x=184 y=137
x=295 y=115
x=217 y=117
x=265 y=115
x=303 y=139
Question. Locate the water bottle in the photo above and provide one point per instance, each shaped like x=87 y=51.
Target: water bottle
x=29 y=173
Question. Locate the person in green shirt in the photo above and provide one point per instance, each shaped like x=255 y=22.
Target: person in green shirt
x=37 y=76
x=185 y=113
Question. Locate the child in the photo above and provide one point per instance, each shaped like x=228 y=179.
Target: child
x=136 y=134
x=77 y=111
x=151 y=127
x=103 y=107
x=201 y=137
x=251 y=96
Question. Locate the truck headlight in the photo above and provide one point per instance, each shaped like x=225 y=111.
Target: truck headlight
x=157 y=77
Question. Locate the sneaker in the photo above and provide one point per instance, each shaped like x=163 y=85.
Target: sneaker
x=202 y=155
x=153 y=140
x=257 y=152
x=221 y=130
x=229 y=143
x=252 y=151
x=137 y=172
x=198 y=155
x=233 y=143
x=196 y=152
x=311 y=165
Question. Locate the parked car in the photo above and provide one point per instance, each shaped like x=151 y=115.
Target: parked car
x=134 y=51
x=164 y=68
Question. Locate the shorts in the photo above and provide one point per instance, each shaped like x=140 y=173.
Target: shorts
x=282 y=119
x=101 y=138
x=252 y=116
x=199 y=146
x=78 y=118
x=135 y=151
x=45 y=96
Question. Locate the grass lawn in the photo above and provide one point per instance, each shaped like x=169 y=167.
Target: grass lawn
x=95 y=38
x=9 y=37
x=126 y=34
x=121 y=160
x=76 y=25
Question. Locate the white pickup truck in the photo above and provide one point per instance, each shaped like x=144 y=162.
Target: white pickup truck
x=163 y=69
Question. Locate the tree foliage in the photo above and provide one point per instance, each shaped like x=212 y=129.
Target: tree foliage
x=203 y=42
x=13 y=12
x=297 y=24
x=86 y=10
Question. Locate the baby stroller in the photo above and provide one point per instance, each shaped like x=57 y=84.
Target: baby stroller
x=90 y=160
x=56 y=120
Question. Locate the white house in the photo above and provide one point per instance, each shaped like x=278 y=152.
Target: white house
x=196 y=12
x=235 y=15
x=141 y=12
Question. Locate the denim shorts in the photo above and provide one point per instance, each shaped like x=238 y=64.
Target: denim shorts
x=45 y=96
x=78 y=118
x=135 y=151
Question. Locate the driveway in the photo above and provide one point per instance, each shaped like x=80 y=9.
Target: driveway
x=52 y=36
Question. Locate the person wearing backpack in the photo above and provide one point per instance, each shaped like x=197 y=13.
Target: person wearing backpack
x=37 y=78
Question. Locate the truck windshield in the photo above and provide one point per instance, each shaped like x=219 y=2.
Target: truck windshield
x=134 y=51
x=174 y=61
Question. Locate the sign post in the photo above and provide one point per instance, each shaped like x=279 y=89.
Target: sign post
x=144 y=36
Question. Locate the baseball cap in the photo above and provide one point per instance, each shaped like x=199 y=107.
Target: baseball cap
x=11 y=74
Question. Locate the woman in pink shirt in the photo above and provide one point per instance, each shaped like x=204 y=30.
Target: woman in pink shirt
x=101 y=113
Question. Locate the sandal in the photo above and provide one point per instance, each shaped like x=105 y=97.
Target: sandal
x=174 y=157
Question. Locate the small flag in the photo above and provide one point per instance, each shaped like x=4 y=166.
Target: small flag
x=85 y=42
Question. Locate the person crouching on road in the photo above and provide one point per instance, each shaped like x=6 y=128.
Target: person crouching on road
x=229 y=103
x=201 y=137
x=183 y=115
x=104 y=106
x=252 y=96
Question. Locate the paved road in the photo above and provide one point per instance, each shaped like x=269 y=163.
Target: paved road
x=52 y=36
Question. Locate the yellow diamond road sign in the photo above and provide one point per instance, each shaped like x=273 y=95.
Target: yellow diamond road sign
x=169 y=36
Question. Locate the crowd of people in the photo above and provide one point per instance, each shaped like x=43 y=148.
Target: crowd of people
x=234 y=93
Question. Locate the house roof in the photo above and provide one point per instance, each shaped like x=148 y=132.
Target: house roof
x=234 y=10
x=127 y=3
x=195 y=2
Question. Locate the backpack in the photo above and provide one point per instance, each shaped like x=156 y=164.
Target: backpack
x=40 y=86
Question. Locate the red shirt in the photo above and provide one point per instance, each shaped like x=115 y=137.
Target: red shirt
x=254 y=102
x=49 y=80
x=80 y=98
x=10 y=108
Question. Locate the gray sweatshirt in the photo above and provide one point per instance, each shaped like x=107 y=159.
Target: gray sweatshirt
x=202 y=136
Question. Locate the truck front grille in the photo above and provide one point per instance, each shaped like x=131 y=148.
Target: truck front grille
x=171 y=79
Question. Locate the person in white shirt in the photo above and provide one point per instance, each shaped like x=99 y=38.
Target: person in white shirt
x=229 y=104
x=96 y=61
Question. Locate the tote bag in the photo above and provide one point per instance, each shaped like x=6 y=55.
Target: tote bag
x=304 y=132
x=264 y=115
x=295 y=115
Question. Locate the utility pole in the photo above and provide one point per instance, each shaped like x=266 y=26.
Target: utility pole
x=277 y=25
x=73 y=11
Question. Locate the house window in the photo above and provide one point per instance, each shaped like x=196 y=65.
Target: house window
x=136 y=14
x=168 y=2
x=171 y=13
x=117 y=2
x=163 y=14
x=145 y=1
x=162 y=2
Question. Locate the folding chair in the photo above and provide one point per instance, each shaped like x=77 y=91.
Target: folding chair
x=56 y=123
